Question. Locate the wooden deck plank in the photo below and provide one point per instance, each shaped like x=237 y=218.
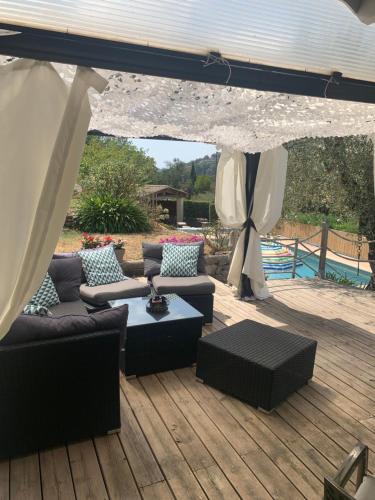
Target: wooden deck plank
x=359 y=430
x=139 y=454
x=86 y=472
x=241 y=477
x=25 y=478
x=183 y=434
x=115 y=467
x=253 y=455
x=285 y=459
x=55 y=472
x=171 y=461
x=157 y=491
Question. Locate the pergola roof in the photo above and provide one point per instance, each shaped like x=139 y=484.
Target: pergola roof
x=319 y=36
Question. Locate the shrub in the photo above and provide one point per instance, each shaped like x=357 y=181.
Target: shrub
x=104 y=214
x=194 y=210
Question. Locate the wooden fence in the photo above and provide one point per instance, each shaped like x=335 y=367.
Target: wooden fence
x=350 y=248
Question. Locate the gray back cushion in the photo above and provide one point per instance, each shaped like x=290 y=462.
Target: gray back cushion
x=153 y=255
x=38 y=328
x=66 y=275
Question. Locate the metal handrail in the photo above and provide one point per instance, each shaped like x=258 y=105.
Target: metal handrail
x=295 y=258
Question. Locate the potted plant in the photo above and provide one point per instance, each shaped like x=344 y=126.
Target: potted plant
x=118 y=245
x=90 y=242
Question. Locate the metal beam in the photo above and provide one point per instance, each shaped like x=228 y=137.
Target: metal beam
x=98 y=53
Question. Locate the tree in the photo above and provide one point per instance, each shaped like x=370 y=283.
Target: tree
x=352 y=158
x=202 y=184
x=193 y=174
x=334 y=175
x=114 y=167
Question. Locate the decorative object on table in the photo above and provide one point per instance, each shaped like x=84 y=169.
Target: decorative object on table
x=101 y=266
x=159 y=342
x=179 y=260
x=157 y=304
x=256 y=363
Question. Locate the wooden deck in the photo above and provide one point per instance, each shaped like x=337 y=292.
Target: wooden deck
x=181 y=439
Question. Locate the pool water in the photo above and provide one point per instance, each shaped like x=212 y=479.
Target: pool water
x=341 y=270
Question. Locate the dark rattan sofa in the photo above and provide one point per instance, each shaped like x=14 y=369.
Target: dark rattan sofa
x=59 y=375
x=197 y=290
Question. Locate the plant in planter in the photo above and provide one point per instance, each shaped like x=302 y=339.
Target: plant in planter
x=119 y=246
x=89 y=242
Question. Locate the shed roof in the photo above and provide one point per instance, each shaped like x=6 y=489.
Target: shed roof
x=162 y=189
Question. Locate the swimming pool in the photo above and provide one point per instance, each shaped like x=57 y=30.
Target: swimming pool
x=341 y=270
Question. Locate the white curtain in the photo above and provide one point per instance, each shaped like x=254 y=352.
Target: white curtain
x=43 y=127
x=364 y=9
x=268 y=199
x=230 y=194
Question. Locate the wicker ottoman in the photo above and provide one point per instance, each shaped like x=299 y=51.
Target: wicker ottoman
x=256 y=363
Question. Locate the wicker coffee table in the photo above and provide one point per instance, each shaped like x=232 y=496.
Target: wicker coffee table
x=158 y=342
x=256 y=363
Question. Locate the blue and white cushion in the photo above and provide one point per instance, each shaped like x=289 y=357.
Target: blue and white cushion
x=36 y=309
x=101 y=266
x=46 y=295
x=179 y=260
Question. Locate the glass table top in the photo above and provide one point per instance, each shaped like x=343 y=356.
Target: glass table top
x=178 y=309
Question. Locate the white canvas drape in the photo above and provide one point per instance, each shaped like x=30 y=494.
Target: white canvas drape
x=230 y=193
x=43 y=126
x=268 y=199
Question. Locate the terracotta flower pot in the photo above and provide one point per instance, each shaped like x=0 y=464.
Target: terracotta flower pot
x=120 y=252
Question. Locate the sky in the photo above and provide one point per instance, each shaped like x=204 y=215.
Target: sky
x=164 y=151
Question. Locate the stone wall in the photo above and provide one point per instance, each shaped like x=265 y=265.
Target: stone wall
x=217 y=266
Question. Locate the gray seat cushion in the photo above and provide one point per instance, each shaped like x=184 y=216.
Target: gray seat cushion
x=64 y=308
x=195 y=285
x=101 y=294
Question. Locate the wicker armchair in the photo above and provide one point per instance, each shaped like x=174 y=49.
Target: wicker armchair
x=365 y=484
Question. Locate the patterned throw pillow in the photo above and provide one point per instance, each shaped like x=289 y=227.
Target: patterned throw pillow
x=36 y=309
x=47 y=295
x=179 y=260
x=101 y=266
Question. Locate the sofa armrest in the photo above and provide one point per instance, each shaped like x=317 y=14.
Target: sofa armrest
x=58 y=390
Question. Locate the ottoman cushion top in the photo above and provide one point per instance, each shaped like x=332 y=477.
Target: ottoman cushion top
x=262 y=344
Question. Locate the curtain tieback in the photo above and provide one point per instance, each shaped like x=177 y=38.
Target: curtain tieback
x=248 y=224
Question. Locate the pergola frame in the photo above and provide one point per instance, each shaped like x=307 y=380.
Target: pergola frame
x=119 y=56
